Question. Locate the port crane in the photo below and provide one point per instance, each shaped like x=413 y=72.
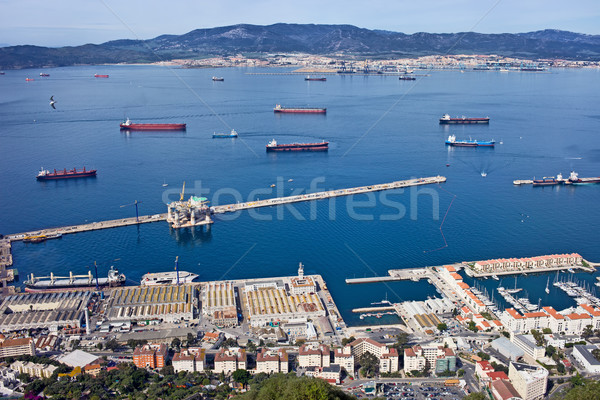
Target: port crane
x=137 y=215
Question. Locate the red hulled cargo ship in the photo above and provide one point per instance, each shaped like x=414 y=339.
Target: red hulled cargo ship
x=299 y=110
x=152 y=127
x=446 y=119
x=273 y=146
x=45 y=175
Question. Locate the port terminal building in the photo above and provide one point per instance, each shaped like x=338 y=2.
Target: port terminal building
x=44 y=310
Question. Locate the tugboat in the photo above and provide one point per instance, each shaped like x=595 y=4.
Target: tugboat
x=273 y=146
x=446 y=119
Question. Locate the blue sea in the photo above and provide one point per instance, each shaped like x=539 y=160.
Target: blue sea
x=380 y=130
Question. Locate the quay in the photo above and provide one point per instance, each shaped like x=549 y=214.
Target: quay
x=473 y=274
x=413 y=274
x=536 y=264
x=115 y=223
x=373 y=309
x=327 y=194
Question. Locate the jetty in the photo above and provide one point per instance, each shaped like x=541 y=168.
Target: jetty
x=205 y=219
x=413 y=274
x=373 y=309
x=327 y=194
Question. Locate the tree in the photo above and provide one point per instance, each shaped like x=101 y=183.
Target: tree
x=588 y=331
x=483 y=355
x=300 y=342
x=175 y=343
x=560 y=368
x=112 y=345
x=546 y=331
x=349 y=340
x=251 y=347
x=596 y=354
x=587 y=391
x=191 y=338
x=241 y=376
x=442 y=327
x=550 y=351
x=475 y=396
x=401 y=341
x=369 y=364
x=472 y=326
x=461 y=372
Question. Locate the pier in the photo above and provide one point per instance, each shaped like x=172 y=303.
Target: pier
x=413 y=274
x=373 y=309
x=116 y=223
x=327 y=194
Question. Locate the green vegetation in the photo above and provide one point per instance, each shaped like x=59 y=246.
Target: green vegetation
x=483 y=356
x=499 y=367
x=546 y=331
x=369 y=365
x=486 y=315
x=401 y=341
x=284 y=387
x=539 y=337
x=461 y=373
x=129 y=382
x=596 y=354
x=472 y=326
x=349 y=340
x=475 y=396
x=588 y=390
x=442 y=327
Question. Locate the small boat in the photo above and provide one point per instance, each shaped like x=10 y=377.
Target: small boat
x=484 y=174
x=44 y=74
x=495 y=277
x=273 y=185
x=290 y=180
x=218 y=79
x=322 y=79
x=165 y=184
x=233 y=134
x=407 y=78
x=28 y=79
x=100 y=76
x=547 y=289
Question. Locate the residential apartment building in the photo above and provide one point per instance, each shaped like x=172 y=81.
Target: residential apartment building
x=16 y=347
x=189 y=360
x=314 y=356
x=271 y=362
x=229 y=361
x=151 y=356
x=529 y=381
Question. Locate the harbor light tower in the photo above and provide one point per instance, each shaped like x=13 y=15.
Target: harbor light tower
x=301 y=271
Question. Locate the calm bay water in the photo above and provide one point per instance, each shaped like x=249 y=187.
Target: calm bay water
x=380 y=130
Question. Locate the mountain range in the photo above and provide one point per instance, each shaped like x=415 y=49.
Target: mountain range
x=307 y=38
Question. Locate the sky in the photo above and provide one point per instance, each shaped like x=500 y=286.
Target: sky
x=74 y=22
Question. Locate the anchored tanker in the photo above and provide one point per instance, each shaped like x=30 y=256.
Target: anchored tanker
x=45 y=175
x=446 y=119
x=273 y=146
x=469 y=142
x=299 y=110
x=55 y=283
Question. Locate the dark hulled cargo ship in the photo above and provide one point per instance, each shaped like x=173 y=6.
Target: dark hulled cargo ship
x=273 y=146
x=128 y=125
x=45 y=175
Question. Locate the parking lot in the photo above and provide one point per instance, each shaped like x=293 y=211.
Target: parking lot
x=393 y=391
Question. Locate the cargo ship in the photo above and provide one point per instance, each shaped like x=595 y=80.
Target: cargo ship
x=218 y=79
x=322 y=79
x=45 y=175
x=469 y=142
x=151 y=127
x=100 y=76
x=41 y=238
x=407 y=78
x=279 y=109
x=574 y=179
x=548 y=181
x=273 y=146
x=55 y=283
x=167 y=278
x=233 y=134
x=44 y=74
x=446 y=119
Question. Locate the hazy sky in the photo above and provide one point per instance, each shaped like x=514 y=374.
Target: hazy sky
x=75 y=22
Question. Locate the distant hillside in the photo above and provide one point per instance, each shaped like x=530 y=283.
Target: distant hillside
x=308 y=38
